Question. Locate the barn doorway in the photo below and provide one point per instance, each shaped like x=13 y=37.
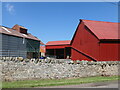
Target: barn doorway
x=61 y=53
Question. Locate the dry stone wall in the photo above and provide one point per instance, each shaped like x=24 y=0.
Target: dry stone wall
x=55 y=69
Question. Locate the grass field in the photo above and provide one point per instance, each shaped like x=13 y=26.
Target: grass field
x=56 y=82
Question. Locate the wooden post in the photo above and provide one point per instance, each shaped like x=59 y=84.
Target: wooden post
x=54 y=52
x=64 y=53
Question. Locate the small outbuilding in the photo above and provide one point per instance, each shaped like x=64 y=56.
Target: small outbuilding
x=58 y=49
x=95 y=40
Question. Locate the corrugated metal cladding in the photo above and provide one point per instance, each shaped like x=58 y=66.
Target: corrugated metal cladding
x=86 y=45
x=66 y=42
x=56 y=46
x=13 y=46
x=0 y=44
x=109 y=51
x=16 y=44
x=32 y=45
x=17 y=47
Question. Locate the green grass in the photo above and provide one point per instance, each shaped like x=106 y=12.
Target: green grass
x=55 y=82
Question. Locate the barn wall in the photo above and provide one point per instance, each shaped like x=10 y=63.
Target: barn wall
x=33 y=48
x=18 y=47
x=78 y=56
x=13 y=46
x=32 y=45
x=109 y=51
x=86 y=43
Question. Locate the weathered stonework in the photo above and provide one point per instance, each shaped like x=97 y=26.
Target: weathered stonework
x=55 y=69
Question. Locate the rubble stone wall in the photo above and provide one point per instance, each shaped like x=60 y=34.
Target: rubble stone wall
x=55 y=69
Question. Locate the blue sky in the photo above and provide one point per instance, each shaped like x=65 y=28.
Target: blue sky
x=51 y=21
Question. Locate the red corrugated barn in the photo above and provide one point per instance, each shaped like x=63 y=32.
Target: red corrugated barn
x=95 y=40
x=58 y=49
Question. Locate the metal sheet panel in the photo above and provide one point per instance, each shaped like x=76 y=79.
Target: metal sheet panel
x=109 y=52
x=86 y=43
x=32 y=45
x=78 y=56
x=102 y=29
x=89 y=46
x=13 y=46
x=12 y=32
x=56 y=46
x=66 y=42
x=0 y=44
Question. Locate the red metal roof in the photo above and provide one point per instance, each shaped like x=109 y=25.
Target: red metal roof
x=103 y=30
x=13 y=32
x=66 y=42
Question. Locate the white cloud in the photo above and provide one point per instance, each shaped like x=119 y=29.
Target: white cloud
x=10 y=8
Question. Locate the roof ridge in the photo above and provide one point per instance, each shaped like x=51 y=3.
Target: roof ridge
x=5 y=27
x=59 y=40
x=99 y=21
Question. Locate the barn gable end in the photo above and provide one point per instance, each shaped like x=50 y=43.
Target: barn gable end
x=82 y=43
x=91 y=42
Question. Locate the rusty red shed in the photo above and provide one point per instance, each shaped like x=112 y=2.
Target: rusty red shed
x=58 y=49
x=95 y=40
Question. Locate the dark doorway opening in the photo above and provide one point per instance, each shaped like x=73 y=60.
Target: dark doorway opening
x=61 y=53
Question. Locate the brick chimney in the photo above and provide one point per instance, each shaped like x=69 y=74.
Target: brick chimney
x=20 y=29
